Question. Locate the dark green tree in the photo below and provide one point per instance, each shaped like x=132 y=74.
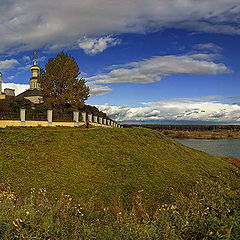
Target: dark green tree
x=60 y=84
x=14 y=104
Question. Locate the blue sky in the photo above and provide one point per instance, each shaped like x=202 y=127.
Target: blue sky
x=164 y=61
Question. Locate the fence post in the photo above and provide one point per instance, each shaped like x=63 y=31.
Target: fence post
x=23 y=117
x=105 y=121
x=90 y=117
x=100 y=120
x=95 y=119
x=84 y=116
x=49 y=117
x=76 y=118
x=108 y=122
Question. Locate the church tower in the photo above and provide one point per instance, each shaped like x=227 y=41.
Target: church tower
x=35 y=72
x=34 y=93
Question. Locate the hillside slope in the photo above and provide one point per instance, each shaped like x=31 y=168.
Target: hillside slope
x=104 y=163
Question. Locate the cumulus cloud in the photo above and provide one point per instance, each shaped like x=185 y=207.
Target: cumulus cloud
x=5 y=64
x=153 y=69
x=179 y=109
x=92 y=46
x=19 y=88
x=31 y=24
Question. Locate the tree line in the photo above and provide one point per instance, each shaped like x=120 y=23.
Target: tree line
x=186 y=127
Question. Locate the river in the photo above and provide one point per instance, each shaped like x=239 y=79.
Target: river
x=222 y=147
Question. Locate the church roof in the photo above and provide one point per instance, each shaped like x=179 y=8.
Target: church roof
x=31 y=93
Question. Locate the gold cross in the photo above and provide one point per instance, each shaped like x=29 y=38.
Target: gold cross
x=35 y=58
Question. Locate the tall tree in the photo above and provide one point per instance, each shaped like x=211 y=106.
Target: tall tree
x=60 y=83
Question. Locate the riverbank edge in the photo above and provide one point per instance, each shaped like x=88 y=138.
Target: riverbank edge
x=234 y=161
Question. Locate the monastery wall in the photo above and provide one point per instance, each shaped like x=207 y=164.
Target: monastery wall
x=13 y=123
x=94 y=121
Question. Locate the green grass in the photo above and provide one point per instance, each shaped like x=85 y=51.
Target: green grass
x=210 y=211
x=105 y=163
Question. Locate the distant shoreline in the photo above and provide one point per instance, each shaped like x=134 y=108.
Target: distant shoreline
x=195 y=131
x=211 y=135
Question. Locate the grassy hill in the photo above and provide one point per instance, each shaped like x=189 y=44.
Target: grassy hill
x=104 y=163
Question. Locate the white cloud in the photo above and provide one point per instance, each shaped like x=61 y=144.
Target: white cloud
x=19 y=88
x=179 y=109
x=208 y=47
x=5 y=64
x=31 y=24
x=153 y=69
x=56 y=47
x=26 y=58
x=97 y=90
x=92 y=46
x=11 y=77
x=25 y=67
x=211 y=27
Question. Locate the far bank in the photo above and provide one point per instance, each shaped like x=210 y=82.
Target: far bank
x=195 y=131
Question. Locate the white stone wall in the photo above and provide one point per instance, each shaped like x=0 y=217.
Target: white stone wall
x=95 y=120
x=90 y=117
x=84 y=116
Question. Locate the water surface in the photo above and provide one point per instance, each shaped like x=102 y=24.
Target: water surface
x=221 y=147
